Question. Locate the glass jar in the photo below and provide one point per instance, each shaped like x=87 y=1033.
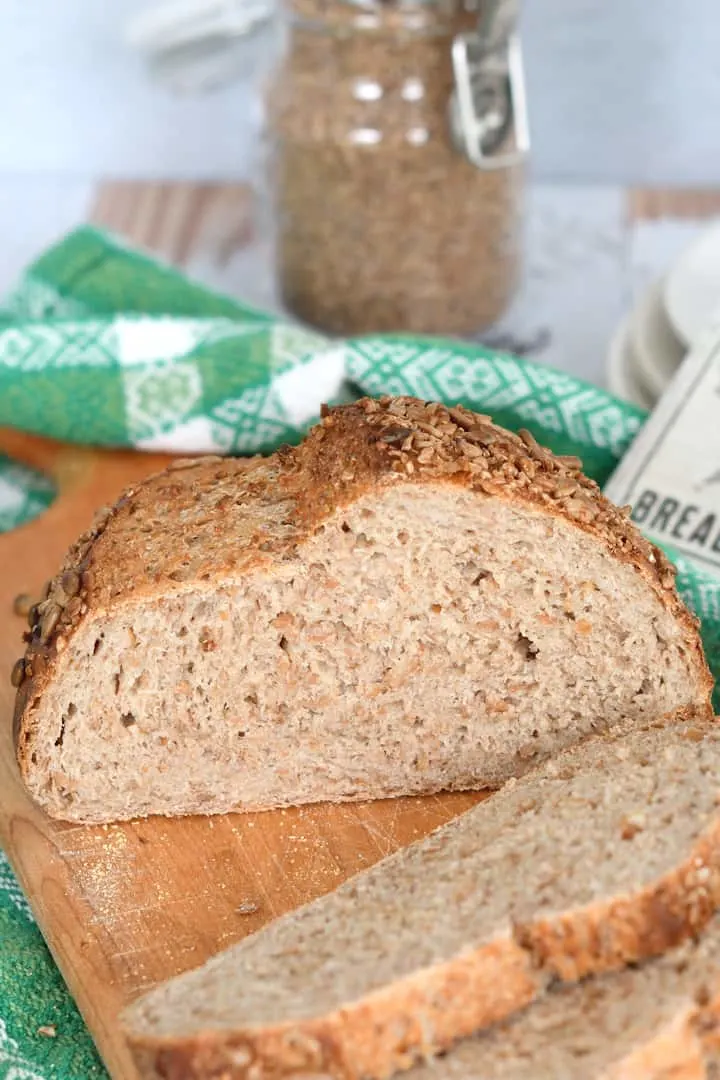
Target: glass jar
x=384 y=223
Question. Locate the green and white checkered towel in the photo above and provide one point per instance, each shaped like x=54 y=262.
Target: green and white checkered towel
x=100 y=344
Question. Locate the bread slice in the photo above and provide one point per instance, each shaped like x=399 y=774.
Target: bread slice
x=608 y=855
x=412 y=600
x=657 y=1022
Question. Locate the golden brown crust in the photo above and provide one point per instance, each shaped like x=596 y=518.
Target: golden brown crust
x=205 y=517
x=677 y=1053
x=627 y=929
x=423 y=1014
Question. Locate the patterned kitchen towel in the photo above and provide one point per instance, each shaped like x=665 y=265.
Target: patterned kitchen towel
x=103 y=345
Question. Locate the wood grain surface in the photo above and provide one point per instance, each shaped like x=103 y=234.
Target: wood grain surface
x=660 y=204
x=176 y=219
x=123 y=907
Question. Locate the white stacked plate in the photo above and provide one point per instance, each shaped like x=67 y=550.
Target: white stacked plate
x=652 y=341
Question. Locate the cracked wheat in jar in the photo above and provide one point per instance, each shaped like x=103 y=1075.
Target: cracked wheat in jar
x=382 y=223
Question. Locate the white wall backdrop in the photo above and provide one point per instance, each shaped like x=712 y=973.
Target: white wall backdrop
x=624 y=91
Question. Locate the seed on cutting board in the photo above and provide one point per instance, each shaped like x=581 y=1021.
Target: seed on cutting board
x=18 y=673
x=248 y=907
x=183 y=463
x=22 y=605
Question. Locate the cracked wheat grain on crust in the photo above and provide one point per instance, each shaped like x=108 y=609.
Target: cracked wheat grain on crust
x=605 y=856
x=411 y=600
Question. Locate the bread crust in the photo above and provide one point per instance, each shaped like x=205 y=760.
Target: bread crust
x=678 y=1052
x=490 y=984
x=245 y=513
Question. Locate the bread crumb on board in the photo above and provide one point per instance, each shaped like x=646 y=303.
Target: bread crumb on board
x=247 y=907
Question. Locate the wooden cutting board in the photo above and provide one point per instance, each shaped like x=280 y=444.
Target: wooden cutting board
x=125 y=906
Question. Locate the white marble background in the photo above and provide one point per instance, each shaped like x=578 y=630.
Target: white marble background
x=622 y=91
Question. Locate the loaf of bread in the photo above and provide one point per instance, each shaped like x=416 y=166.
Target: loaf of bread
x=412 y=600
x=605 y=856
x=657 y=1022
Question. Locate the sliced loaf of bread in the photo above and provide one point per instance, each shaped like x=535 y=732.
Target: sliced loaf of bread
x=412 y=600
x=660 y=1021
x=607 y=855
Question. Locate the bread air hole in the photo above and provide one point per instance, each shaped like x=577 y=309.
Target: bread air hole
x=61 y=736
x=67 y=715
x=645 y=687
x=526 y=647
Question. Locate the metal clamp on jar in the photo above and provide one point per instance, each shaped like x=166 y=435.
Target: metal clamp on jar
x=488 y=109
x=399 y=132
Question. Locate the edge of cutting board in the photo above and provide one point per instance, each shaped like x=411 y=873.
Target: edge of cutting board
x=86 y=478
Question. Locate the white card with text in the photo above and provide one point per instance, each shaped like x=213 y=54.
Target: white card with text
x=671 y=473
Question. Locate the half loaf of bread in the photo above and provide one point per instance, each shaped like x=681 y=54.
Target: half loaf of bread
x=608 y=855
x=412 y=600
